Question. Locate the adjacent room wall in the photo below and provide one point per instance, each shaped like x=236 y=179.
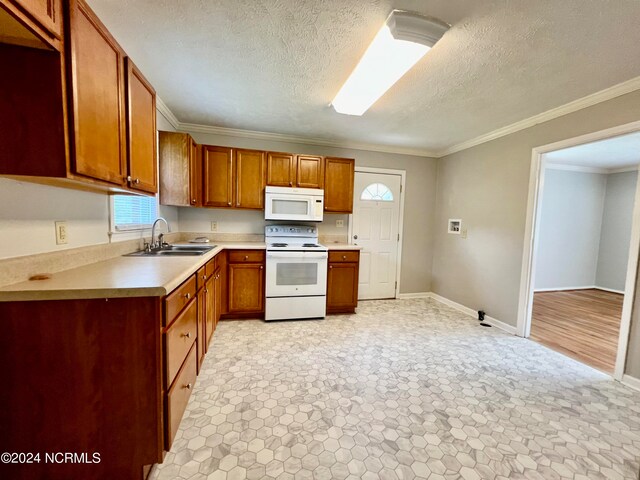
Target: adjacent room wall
x=569 y=229
x=613 y=253
x=417 y=247
x=28 y=212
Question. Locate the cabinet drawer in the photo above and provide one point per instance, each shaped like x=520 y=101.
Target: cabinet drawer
x=211 y=266
x=246 y=256
x=177 y=299
x=201 y=278
x=179 y=339
x=178 y=396
x=344 y=256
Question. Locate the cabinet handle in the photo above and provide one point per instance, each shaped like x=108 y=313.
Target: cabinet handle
x=206 y=291
x=188 y=386
x=229 y=203
x=193 y=201
x=204 y=277
x=246 y=257
x=330 y=267
x=137 y=181
x=261 y=267
x=187 y=335
x=187 y=296
x=128 y=179
x=290 y=184
x=344 y=257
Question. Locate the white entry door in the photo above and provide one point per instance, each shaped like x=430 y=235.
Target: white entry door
x=376 y=214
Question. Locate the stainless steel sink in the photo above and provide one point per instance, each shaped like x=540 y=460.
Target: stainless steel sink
x=174 y=251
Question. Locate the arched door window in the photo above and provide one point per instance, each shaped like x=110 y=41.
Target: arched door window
x=378 y=192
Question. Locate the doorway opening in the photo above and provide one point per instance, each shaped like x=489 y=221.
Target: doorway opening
x=583 y=236
x=376 y=226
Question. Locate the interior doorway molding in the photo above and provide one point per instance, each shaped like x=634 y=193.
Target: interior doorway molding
x=536 y=185
x=403 y=177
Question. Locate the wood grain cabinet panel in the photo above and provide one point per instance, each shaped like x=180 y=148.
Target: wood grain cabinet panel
x=179 y=338
x=48 y=13
x=250 y=178
x=178 y=396
x=281 y=169
x=178 y=165
x=210 y=295
x=342 y=281
x=141 y=131
x=218 y=173
x=338 y=185
x=246 y=282
x=97 y=83
x=310 y=171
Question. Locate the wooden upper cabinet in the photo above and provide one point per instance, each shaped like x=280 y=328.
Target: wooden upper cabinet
x=217 y=176
x=250 y=179
x=98 y=100
x=141 y=131
x=310 y=171
x=176 y=160
x=281 y=169
x=338 y=185
x=48 y=13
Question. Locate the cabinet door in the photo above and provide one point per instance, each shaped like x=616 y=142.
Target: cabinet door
x=141 y=131
x=175 y=168
x=210 y=293
x=250 y=179
x=97 y=92
x=281 y=169
x=338 y=185
x=217 y=172
x=310 y=172
x=342 y=287
x=47 y=12
x=246 y=288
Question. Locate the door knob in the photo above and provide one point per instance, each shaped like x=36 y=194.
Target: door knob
x=355 y=237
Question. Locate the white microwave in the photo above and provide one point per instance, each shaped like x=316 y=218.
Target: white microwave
x=290 y=203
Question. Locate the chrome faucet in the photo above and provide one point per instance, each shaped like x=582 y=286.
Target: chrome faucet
x=158 y=243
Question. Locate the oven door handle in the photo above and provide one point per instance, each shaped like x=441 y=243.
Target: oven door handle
x=303 y=255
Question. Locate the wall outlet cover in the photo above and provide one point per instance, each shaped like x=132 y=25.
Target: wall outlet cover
x=214 y=226
x=61 y=233
x=340 y=223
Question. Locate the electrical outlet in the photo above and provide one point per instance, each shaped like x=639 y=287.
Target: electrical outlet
x=61 y=233
x=463 y=233
x=214 y=226
x=340 y=223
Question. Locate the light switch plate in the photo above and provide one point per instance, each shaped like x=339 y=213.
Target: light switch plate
x=214 y=226
x=61 y=233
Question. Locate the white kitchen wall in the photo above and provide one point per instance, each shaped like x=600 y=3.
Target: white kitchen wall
x=569 y=229
x=28 y=212
x=613 y=254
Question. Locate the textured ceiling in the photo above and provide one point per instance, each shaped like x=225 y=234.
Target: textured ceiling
x=274 y=66
x=617 y=152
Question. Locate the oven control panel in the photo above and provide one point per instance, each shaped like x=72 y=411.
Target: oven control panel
x=290 y=230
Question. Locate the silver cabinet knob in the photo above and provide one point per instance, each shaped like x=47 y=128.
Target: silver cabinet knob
x=187 y=335
x=193 y=201
x=246 y=257
x=330 y=267
x=188 y=386
x=187 y=296
x=137 y=180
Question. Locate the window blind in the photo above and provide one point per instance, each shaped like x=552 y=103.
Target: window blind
x=131 y=212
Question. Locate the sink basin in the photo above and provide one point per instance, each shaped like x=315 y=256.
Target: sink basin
x=174 y=251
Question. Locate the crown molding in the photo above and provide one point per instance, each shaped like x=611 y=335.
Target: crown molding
x=588 y=101
x=278 y=137
x=167 y=113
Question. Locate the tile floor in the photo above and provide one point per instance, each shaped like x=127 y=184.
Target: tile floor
x=404 y=389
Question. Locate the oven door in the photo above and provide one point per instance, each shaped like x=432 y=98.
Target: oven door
x=292 y=274
x=282 y=206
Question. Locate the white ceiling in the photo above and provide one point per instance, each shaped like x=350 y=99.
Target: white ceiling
x=274 y=66
x=610 y=154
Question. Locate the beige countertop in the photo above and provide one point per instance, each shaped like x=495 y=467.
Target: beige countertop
x=118 y=277
x=342 y=246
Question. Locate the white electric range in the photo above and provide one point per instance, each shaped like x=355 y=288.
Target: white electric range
x=296 y=273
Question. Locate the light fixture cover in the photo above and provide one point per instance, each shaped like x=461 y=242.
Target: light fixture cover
x=403 y=40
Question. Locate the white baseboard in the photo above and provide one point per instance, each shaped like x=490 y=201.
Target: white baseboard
x=415 y=295
x=494 y=322
x=632 y=382
x=588 y=287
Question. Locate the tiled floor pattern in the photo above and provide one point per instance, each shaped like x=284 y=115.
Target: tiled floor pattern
x=404 y=389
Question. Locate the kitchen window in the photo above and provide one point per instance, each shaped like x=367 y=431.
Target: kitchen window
x=131 y=212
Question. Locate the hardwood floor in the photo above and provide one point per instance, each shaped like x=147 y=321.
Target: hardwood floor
x=583 y=324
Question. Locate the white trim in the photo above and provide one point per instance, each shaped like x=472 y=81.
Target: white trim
x=588 y=287
x=167 y=113
x=536 y=184
x=406 y=296
x=494 y=322
x=403 y=189
x=279 y=137
x=588 y=101
x=577 y=168
x=631 y=382
x=623 y=169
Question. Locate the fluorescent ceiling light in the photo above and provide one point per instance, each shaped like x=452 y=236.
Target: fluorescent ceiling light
x=403 y=40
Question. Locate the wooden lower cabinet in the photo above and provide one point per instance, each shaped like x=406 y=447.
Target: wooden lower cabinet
x=246 y=282
x=342 y=281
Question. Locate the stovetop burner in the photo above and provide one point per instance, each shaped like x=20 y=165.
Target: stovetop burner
x=279 y=244
x=310 y=245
